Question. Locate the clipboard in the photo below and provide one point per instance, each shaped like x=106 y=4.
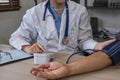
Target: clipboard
x=13 y=56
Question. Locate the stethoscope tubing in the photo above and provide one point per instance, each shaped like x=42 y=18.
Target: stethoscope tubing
x=67 y=16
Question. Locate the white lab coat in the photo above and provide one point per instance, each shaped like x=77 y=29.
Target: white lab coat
x=44 y=32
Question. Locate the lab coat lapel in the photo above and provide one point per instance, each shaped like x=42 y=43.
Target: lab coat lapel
x=63 y=22
x=50 y=25
x=63 y=26
x=72 y=25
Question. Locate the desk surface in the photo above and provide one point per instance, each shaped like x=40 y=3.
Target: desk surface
x=20 y=70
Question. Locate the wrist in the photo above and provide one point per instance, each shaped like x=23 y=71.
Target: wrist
x=71 y=70
x=66 y=71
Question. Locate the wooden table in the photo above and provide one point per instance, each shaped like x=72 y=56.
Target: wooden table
x=20 y=70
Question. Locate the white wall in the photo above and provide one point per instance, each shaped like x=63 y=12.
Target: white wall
x=108 y=18
x=10 y=21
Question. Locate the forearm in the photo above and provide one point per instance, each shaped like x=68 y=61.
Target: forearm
x=93 y=62
x=18 y=42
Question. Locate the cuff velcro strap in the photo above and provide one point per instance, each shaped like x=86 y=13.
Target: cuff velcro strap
x=113 y=51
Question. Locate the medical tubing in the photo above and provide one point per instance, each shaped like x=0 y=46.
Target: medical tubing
x=45 y=10
x=68 y=59
x=67 y=20
x=79 y=51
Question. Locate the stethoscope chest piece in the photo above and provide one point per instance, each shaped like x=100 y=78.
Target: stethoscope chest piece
x=65 y=40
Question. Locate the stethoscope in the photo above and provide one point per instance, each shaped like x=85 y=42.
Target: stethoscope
x=47 y=6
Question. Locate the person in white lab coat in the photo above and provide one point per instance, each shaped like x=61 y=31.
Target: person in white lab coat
x=57 y=26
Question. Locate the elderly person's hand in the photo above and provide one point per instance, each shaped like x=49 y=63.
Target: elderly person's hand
x=101 y=45
x=53 y=70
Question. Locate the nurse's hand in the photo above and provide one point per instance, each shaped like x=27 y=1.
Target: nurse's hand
x=53 y=70
x=35 y=48
x=101 y=45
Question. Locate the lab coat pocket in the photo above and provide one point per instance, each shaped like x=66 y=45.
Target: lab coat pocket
x=72 y=36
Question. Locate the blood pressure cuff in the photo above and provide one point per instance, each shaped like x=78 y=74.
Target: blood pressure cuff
x=113 y=51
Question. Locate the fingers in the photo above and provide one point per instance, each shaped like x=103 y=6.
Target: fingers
x=40 y=68
x=101 y=45
x=41 y=47
x=39 y=72
x=108 y=42
x=44 y=65
x=36 y=48
x=52 y=70
x=43 y=73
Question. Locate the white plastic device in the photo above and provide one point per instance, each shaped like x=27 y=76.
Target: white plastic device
x=42 y=58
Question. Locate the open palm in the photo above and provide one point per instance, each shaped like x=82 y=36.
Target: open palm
x=52 y=70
